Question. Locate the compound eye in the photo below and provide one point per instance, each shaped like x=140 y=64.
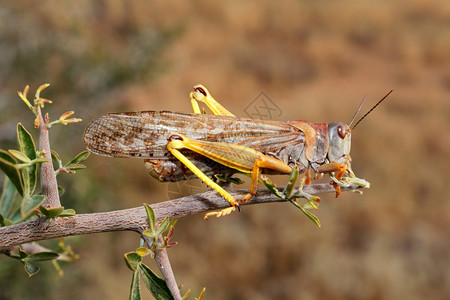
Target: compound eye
x=342 y=131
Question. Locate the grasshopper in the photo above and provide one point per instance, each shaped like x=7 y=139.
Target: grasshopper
x=180 y=146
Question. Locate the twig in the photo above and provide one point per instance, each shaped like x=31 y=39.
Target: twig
x=49 y=185
x=163 y=262
x=132 y=219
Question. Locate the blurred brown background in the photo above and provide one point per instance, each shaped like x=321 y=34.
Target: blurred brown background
x=315 y=60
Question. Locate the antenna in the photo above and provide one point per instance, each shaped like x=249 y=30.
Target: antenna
x=372 y=109
x=357 y=110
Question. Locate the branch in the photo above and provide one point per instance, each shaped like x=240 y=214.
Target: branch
x=132 y=219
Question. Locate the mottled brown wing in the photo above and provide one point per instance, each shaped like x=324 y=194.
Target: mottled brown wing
x=144 y=134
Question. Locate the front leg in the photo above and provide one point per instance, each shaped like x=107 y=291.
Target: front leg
x=350 y=179
x=342 y=176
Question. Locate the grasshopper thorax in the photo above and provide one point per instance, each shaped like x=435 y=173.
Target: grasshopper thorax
x=339 y=142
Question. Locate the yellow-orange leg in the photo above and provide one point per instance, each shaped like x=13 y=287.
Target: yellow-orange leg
x=241 y=158
x=308 y=177
x=173 y=146
x=334 y=167
x=265 y=162
x=201 y=94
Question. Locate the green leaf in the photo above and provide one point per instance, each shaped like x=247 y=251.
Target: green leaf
x=5 y=222
x=56 y=161
x=133 y=260
x=41 y=256
x=30 y=204
x=67 y=213
x=7 y=197
x=173 y=222
x=20 y=156
x=55 y=158
x=27 y=146
x=74 y=164
x=75 y=167
x=224 y=179
x=58 y=268
x=79 y=158
x=272 y=188
x=149 y=234
x=291 y=183
x=135 y=290
x=163 y=226
x=312 y=217
x=142 y=251
x=31 y=269
x=61 y=190
x=156 y=285
x=151 y=217
x=22 y=254
x=9 y=166
x=52 y=212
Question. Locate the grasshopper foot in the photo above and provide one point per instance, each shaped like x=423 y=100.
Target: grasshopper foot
x=347 y=180
x=221 y=213
x=246 y=198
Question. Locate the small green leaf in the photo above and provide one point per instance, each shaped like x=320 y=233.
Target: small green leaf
x=56 y=160
x=55 y=156
x=156 y=285
x=163 y=226
x=5 y=222
x=151 y=217
x=291 y=183
x=142 y=251
x=312 y=217
x=149 y=234
x=9 y=166
x=20 y=156
x=79 y=158
x=7 y=197
x=31 y=269
x=74 y=164
x=133 y=260
x=58 y=268
x=173 y=222
x=52 y=212
x=26 y=143
x=135 y=290
x=61 y=190
x=22 y=254
x=23 y=96
x=67 y=213
x=27 y=146
x=225 y=179
x=30 y=204
x=272 y=187
x=41 y=256
x=75 y=167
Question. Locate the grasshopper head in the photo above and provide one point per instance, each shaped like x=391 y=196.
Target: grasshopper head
x=340 y=135
x=340 y=142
